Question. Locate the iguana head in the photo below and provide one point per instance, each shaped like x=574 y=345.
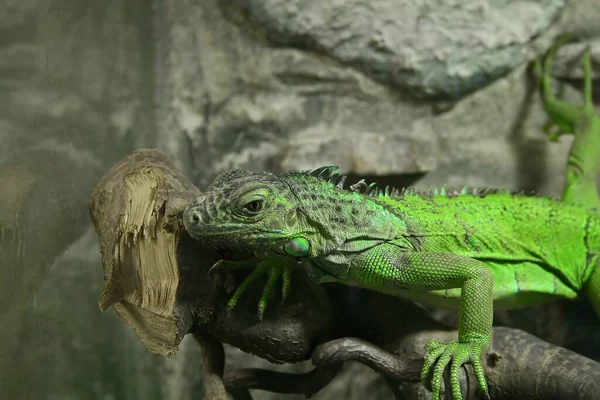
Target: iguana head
x=251 y=211
x=299 y=214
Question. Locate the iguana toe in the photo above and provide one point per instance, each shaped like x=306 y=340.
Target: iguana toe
x=273 y=268
x=229 y=264
x=287 y=283
x=260 y=269
x=273 y=274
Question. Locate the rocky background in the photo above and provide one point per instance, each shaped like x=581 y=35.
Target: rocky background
x=412 y=92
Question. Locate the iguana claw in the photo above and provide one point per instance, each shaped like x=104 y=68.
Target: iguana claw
x=273 y=268
x=439 y=355
x=228 y=264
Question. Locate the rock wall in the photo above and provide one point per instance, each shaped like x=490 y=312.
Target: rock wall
x=398 y=90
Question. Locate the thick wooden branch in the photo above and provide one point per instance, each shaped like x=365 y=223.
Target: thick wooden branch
x=136 y=211
x=335 y=352
x=519 y=365
x=307 y=383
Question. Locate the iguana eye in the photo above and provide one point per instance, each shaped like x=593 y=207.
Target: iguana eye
x=254 y=206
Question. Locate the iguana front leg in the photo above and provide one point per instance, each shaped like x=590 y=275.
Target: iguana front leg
x=388 y=268
x=274 y=267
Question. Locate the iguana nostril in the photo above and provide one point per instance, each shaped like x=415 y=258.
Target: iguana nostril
x=192 y=216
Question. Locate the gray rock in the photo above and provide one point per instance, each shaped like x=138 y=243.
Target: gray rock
x=568 y=63
x=243 y=105
x=581 y=18
x=434 y=49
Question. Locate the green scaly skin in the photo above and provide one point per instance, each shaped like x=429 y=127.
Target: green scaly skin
x=470 y=250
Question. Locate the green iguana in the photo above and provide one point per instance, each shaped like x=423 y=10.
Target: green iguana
x=472 y=250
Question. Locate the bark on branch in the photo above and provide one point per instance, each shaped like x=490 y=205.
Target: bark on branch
x=213 y=364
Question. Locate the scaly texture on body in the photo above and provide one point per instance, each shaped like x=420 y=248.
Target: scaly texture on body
x=472 y=250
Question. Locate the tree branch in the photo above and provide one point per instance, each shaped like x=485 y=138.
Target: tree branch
x=213 y=364
x=307 y=383
x=352 y=349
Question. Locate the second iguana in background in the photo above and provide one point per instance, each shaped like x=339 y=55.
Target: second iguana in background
x=474 y=250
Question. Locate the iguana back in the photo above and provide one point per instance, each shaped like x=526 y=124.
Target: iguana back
x=534 y=246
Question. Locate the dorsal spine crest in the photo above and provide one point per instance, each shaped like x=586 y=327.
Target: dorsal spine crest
x=333 y=175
